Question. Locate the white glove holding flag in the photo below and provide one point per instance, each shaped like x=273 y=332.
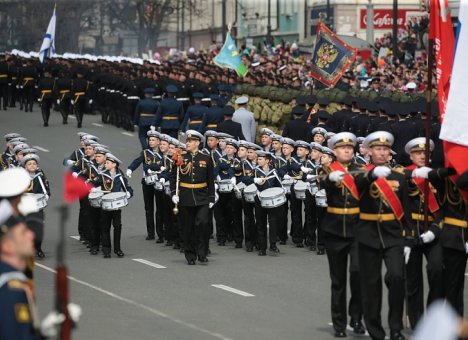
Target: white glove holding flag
x=74 y=311
x=233 y=181
x=286 y=177
x=129 y=173
x=427 y=237
x=407 y=253
x=422 y=172
x=305 y=170
x=49 y=324
x=258 y=180
x=175 y=199
x=382 y=171
x=336 y=176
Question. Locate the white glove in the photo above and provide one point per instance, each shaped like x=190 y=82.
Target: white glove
x=286 y=176
x=39 y=100
x=258 y=180
x=175 y=199
x=218 y=178
x=150 y=172
x=305 y=170
x=94 y=189
x=422 y=172
x=427 y=237
x=311 y=177
x=466 y=247
x=129 y=173
x=161 y=169
x=216 y=186
x=74 y=311
x=72 y=102
x=407 y=253
x=210 y=205
x=75 y=174
x=47 y=197
x=58 y=101
x=49 y=324
x=382 y=171
x=128 y=195
x=233 y=181
x=70 y=162
x=153 y=128
x=336 y=176
x=27 y=205
x=90 y=101
x=162 y=180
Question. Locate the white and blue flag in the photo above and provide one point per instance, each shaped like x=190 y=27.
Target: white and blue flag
x=48 y=45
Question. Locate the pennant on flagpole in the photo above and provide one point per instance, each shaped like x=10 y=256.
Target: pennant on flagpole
x=331 y=56
x=229 y=57
x=48 y=44
x=74 y=188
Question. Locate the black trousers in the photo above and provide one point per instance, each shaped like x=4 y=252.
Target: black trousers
x=95 y=220
x=370 y=268
x=28 y=97
x=35 y=223
x=4 y=95
x=46 y=104
x=109 y=218
x=414 y=279
x=142 y=136
x=237 y=223
x=263 y=215
x=339 y=250
x=282 y=224
x=194 y=221
x=250 y=229
x=317 y=237
x=310 y=219
x=84 y=224
x=172 y=231
x=223 y=216
x=297 y=232
x=78 y=109
x=64 y=108
x=454 y=277
x=152 y=197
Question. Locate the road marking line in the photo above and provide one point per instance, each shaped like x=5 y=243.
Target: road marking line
x=72 y=117
x=148 y=263
x=97 y=124
x=233 y=290
x=75 y=237
x=127 y=134
x=40 y=148
x=138 y=305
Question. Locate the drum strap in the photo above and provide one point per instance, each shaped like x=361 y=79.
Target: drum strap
x=123 y=183
x=42 y=185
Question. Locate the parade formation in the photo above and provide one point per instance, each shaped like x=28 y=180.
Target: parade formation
x=357 y=173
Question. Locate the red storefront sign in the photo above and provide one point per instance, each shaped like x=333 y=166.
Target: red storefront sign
x=383 y=18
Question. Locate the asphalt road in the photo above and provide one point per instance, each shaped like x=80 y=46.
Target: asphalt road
x=237 y=295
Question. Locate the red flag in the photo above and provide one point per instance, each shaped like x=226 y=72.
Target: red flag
x=74 y=188
x=441 y=31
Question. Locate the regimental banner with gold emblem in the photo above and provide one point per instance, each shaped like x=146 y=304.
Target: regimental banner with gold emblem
x=331 y=56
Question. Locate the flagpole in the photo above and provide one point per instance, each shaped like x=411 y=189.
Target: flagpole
x=430 y=68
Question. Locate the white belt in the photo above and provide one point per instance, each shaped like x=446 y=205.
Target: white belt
x=183 y=99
